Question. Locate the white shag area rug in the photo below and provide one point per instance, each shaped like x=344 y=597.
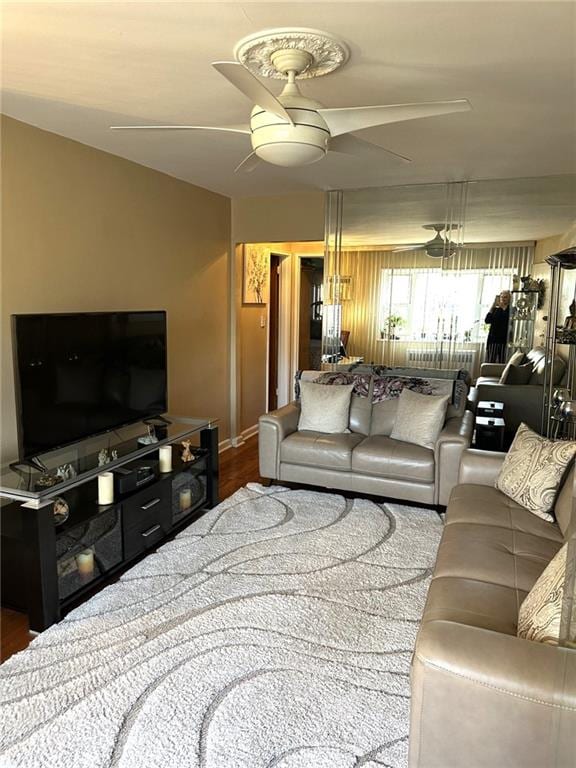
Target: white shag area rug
x=275 y=631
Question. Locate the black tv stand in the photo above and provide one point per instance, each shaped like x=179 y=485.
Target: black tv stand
x=49 y=568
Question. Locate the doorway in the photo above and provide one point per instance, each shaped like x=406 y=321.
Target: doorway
x=273 y=328
x=310 y=314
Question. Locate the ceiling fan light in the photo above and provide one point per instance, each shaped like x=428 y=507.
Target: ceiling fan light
x=439 y=250
x=290 y=154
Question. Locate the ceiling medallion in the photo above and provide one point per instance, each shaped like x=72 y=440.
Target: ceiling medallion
x=325 y=51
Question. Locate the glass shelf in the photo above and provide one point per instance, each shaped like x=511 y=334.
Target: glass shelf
x=80 y=461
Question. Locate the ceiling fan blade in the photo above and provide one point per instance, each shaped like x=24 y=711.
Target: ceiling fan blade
x=352 y=145
x=417 y=247
x=225 y=128
x=248 y=164
x=251 y=87
x=347 y=119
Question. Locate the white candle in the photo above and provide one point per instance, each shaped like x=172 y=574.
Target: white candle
x=166 y=458
x=185 y=499
x=106 y=488
x=85 y=562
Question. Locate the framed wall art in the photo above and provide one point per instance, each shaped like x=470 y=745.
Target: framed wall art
x=256 y=274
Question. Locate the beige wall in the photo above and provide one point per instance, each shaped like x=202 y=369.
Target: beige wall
x=85 y=230
x=283 y=222
x=282 y=218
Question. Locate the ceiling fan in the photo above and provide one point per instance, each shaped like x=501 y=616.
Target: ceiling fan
x=437 y=248
x=290 y=129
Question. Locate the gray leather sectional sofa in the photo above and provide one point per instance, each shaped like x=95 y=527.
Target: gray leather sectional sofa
x=366 y=459
x=481 y=696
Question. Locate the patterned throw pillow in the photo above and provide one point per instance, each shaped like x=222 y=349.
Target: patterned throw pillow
x=533 y=470
x=360 y=381
x=541 y=612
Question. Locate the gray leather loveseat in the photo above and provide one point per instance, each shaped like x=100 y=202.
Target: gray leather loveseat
x=481 y=696
x=522 y=402
x=366 y=459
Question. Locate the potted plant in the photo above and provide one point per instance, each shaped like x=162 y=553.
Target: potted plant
x=392 y=323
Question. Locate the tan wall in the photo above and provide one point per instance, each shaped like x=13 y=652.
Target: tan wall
x=287 y=218
x=85 y=230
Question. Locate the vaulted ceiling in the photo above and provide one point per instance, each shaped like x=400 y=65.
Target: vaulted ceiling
x=76 y=68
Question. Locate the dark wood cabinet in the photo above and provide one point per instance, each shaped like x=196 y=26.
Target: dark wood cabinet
x=48 y=569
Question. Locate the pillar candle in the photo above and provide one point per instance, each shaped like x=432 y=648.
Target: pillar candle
x=106 y=488
x=185 y=499
x=85 y=562
x=166 y=458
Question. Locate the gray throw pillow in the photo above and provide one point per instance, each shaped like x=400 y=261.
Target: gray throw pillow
x=533 y=470
x=324 y=408
x=419 y=418
x=518 y=358
x=516 y=374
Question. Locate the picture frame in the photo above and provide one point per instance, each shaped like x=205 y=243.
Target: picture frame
x=255 y=274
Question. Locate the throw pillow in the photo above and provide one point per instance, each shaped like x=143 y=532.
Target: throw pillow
x=533 y=470
x=518 y=358
x=419 y=418
x=516 y=374
x=540 y=614
x=324 y=408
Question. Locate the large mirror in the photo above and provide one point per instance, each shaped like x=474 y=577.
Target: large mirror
x=413 y=272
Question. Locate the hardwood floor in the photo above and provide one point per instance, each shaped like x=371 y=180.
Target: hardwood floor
x=238 y=466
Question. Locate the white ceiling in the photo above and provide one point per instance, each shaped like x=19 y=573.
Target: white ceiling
x=486 y=211
x=75 y=68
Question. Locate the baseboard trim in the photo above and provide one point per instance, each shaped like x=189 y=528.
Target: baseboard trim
x=250 y=432
x=240 y=439
x=224 y=445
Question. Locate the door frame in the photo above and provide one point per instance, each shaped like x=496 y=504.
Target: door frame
x=295 y=338
x=285 y=363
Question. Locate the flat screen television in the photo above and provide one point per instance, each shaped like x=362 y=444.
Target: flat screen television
x=82 y=374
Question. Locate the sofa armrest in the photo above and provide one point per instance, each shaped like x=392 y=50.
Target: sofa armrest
x=522 y=402
x=492 y=369
x=480 y=467
x=516 y=699
x=273 y=427
x=452 y=441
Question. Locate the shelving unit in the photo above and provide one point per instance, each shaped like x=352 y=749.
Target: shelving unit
x=521 y=322
x=556 y=336
x=50 y=567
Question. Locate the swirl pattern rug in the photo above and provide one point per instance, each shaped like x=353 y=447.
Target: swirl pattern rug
x=274 y=632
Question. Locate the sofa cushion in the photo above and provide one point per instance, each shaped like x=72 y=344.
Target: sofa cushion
x=324 y=408
x=516 y=374
x=537 y=377
x=494 y=554
x=383 y=417
x=486 y=505
x=474 y=603
x=320 y=450
x=380 y=455
x=419 y=419
x=533 y=469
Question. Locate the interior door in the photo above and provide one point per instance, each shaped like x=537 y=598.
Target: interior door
x=273 y=325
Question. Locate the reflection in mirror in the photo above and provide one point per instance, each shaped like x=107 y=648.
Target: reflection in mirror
x=412 y=272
